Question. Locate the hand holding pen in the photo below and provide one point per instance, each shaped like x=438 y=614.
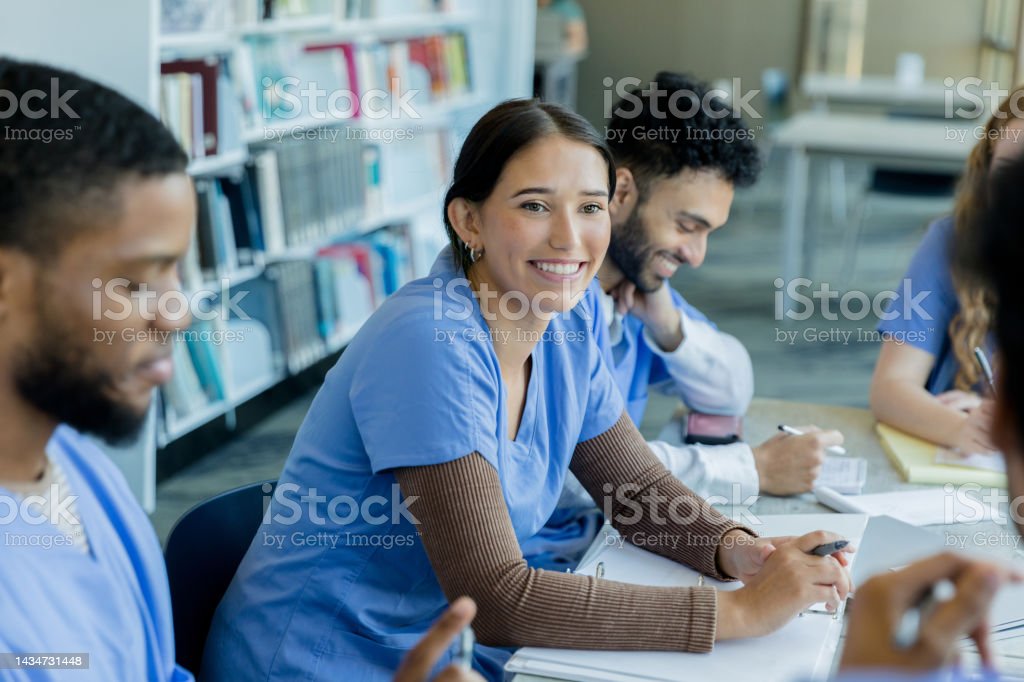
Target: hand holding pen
x=913 y=619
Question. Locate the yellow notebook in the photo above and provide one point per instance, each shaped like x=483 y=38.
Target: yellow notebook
x=915 y=459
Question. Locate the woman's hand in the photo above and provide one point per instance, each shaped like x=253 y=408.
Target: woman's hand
x=789 y=580
x=741 y=555
x=974 y=433
x=417 y=664
x=959 y=400
x=878 y=611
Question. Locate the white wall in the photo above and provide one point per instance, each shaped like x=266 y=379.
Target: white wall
x=100 y=39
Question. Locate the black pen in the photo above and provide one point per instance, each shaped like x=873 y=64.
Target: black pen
x=829 y=548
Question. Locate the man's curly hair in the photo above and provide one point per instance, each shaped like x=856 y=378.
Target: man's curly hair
x=682 y=140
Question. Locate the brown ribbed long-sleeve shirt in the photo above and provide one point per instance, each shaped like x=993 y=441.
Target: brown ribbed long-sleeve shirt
x=468 y=536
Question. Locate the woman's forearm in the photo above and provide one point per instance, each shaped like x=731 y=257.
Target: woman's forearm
x=913 y=409
x=467 y=533
x=647 y=504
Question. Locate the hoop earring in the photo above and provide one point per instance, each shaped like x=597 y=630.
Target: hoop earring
x=474 y=254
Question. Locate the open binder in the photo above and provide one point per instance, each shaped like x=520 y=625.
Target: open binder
x=802 y=650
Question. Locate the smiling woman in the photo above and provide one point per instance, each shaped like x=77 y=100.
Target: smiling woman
x=476 y=420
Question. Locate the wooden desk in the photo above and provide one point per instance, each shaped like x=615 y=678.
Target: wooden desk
x=857 y=426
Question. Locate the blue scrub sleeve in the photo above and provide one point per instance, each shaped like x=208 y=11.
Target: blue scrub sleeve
x=926 y=302
x=604 y=399
x=427 y=392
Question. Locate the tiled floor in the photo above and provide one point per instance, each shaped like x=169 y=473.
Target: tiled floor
x=734 y=287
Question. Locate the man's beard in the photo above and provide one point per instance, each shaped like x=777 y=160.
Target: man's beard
x=57 y=378
x=632 y=253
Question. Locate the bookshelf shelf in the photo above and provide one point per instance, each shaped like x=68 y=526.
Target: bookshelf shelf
x=175 y=429
x=234 y=278
x=188 y=44
x=269 y=132
x=434 y=115
x=283 y=25
x=253 y=389
x=213 y=165
x=404 y=213
x=422 y=22
x=391 y=27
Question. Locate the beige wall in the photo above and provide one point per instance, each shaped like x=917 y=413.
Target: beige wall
x=709 y=38
x=946 y=32
x=740 y=38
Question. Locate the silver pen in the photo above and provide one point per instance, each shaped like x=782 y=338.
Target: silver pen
x=909 y=629
x=467 y=640
x=986 y=369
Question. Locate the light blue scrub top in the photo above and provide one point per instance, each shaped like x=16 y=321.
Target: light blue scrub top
x=346 y=598
x=635 y=367
x=112 y=603
x=929 y=280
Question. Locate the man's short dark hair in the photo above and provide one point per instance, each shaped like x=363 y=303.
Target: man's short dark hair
x=62 y=155
x=654 y=140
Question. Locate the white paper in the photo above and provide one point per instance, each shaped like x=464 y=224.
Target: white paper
x=917 y=507
x=801 y=650
x=846 y=475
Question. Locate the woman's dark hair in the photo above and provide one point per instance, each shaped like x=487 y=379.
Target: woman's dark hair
x=1001 y=241
x=497 y=137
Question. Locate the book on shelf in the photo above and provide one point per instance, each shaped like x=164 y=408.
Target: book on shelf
x=311 y=306
x=278 y=69
x=376 y=9
x=183 y=394
x=199 y=104
x=195 y=16
x=197 y=380
x=249 y=12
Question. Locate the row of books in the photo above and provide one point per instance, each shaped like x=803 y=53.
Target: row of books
x=194 y=16
x=353 y=80
x=197 y=380
x=200 y=105
x=300 y=194
x=307 y=308
x=374 y=9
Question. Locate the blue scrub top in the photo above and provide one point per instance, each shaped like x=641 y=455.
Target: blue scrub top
x=633 y=364
x=929 y=282
x=112 y=603
x=337 y=595
x=635 y=369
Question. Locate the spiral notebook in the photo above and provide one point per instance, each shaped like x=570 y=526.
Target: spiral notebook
x=802 y=650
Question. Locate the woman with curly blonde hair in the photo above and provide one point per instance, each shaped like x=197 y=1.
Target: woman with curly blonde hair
x=926 y=380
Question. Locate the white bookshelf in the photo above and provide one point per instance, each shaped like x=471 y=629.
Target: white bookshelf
x=119 y=43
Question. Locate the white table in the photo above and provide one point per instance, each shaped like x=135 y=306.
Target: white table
x=858 y=428
x=906 y=144
x=881 y=91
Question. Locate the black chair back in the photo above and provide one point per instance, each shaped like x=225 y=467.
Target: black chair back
x=202 y=554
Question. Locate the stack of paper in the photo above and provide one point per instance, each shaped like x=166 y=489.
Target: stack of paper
x=801 y=650
x=918 y=461
x=926 y=507
x=846 y=475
